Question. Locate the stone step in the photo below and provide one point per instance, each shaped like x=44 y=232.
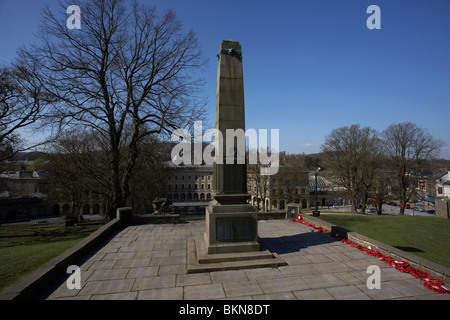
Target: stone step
x=203 y=257
x=199 y=261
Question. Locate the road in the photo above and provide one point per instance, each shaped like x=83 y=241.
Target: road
x=387 y=209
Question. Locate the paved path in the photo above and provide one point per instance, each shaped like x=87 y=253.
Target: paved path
x=148 y=262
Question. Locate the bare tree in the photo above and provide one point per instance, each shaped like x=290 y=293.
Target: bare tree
x=409 y=148
x=380 y=188
x=258 y=183
x=22 y=104
x=351 y=153
x=149 y=182
x=76 y=170
x=125 y=67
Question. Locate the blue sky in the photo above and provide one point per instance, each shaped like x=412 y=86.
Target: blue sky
x=311 y=66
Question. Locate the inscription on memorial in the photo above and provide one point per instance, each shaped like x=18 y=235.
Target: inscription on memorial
x=231 y=229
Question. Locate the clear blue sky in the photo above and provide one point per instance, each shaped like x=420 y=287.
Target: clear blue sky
x=311 y=66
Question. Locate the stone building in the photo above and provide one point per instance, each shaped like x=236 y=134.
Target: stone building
x=19 y=184
x=23 y=195
x=20 y=195
x=189 y=182
x=293 y=185
x=442 y=186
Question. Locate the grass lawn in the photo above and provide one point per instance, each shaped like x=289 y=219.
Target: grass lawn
x=426 y=237
x=25 y=247
x=192 y=217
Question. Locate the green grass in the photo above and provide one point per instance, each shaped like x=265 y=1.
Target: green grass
x=426 y=237
x=192 y=217
x=26 y=247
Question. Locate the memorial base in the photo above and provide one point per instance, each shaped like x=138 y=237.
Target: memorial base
x=230 y=241
x=235 y=230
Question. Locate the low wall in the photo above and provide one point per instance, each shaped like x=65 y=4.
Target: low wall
x=433 y=269
x=442 y=208
x=157 y=219
x=271 y=215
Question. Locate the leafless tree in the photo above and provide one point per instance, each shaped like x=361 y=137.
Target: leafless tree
x=409 y=148
x=76 y=170
x=259 y=184
x=126 y=66
x=151 y=177
x=22 y=104
x=381 y=187
x=352 y=154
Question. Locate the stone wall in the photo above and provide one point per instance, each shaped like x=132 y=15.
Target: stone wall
x=442 y=207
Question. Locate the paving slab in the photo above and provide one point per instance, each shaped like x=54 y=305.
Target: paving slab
x=149 y=262
x=242 y=289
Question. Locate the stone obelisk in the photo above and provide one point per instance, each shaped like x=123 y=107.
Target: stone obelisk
x=231 y=237
x=231 y=223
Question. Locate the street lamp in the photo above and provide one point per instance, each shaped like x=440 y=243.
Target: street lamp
x=316 y=212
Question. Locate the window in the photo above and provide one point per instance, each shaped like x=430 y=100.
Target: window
x=439 y=190
x=203 y=186
x=209 y=186
x=182 y=186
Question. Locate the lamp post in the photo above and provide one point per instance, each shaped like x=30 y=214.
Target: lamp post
x=316 y=212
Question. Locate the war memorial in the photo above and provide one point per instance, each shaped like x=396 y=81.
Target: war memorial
x=231 y=254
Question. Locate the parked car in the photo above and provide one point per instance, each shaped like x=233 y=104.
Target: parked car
x=419 y=209
x=372 y=210
x=407 y=206
x=432 y=211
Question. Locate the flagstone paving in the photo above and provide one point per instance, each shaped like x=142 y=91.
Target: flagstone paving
x=148 y=262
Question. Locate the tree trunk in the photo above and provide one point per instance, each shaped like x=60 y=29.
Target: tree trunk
x=117 y=199
x=353 y=207
x=133 y=155
x=379 y=207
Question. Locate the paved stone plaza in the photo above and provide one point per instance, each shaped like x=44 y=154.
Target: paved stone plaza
x=149 y=262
